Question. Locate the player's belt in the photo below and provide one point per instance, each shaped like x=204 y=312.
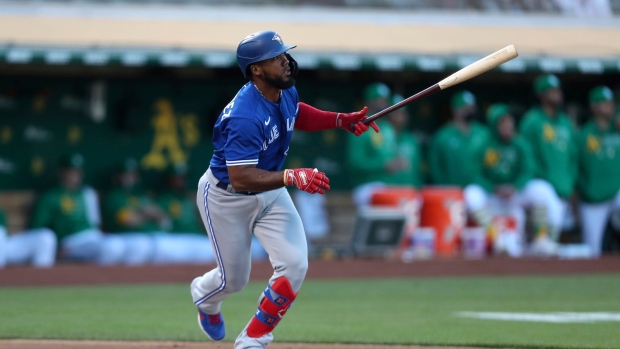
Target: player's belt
x=224 y=186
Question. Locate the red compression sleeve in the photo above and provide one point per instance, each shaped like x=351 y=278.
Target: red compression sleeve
x=310 y=118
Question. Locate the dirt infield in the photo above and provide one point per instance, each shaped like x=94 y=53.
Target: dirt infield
x=336 y=269
x=71 y=274
x=57 y=344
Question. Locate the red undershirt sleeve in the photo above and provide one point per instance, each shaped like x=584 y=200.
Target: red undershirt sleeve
x=310 y=118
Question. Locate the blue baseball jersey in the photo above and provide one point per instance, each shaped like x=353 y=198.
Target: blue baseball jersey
x=254 y=131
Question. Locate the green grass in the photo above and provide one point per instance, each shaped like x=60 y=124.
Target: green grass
x=394 y=311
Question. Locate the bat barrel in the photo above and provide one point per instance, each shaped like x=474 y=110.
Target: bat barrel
x=481 y=66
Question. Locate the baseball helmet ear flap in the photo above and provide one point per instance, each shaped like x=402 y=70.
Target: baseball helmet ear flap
x=292 y=63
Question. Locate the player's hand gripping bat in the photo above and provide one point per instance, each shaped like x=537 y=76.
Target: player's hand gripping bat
x=477 y=68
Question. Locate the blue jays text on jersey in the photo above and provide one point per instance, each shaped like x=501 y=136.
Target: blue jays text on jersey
x=254 y=131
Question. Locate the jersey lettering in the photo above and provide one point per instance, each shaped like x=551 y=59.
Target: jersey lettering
x=290 y=124
x=274 y=134
x=228 y=109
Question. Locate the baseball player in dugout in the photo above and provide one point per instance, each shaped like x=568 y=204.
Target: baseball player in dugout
x=36 y=247
x=599 y=169
x=185 y=240
x=504 y=184
x=243 y=190
x=455 y=146
x=391 y=157
x=71 y=211
x=552 y=137
x=130 y=214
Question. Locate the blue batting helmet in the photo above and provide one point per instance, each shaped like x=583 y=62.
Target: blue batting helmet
x=258 y=47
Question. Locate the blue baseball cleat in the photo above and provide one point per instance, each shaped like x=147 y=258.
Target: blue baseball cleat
x=212 y=325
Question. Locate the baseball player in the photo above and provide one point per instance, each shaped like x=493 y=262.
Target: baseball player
x=130 y=214
x=391 y=157
x=185 y=241
x=36 y=246
x=71 y=211
x=243 y=190
x=454 y=148
x=504 y=184
x=553 y=140
x=599 y=168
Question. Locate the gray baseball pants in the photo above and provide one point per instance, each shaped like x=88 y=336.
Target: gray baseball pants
x=231 y=219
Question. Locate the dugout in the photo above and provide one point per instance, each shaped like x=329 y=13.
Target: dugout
x=50 y=110
x=100 y=78
x=103 y=84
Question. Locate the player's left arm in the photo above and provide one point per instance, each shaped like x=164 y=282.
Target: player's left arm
x=310 y=118
x=251 y=178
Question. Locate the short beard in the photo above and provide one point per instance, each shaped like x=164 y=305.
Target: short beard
x=280 y=83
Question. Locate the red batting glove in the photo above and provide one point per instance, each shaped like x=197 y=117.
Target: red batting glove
x=352 y=122
x=307 y=179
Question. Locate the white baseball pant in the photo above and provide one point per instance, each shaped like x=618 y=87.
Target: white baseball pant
x=35 y=246
x=92 y=245
x=594 y=219
x=535 y=192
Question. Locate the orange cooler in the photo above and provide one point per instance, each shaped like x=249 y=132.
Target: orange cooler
x=443 y=208
x=393 y=196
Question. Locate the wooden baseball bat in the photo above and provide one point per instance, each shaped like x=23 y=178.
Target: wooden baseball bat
x=478 y=67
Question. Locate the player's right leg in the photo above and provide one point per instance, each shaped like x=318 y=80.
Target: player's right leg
x=112 y=250
x=36 y=247
x=593 y=221
x=44 y=254
x=82 y=246
x=182 y=248
x=229 y=219
x=539 y=192
x=139 y=248
x=510 y=239
x=476 y=202
x=280 y=230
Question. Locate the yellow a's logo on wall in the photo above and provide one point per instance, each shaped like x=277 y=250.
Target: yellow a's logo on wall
x=491 y=158
x=174 y=136
x=548 y=133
